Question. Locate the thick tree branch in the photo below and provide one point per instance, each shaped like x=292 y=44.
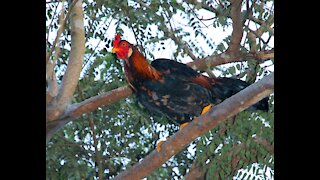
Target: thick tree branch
x=224 y=58
x=76 y=110
x=72 y=74
x=237 y=26
x=199 y=126
x=52 y=90
x=104 y=99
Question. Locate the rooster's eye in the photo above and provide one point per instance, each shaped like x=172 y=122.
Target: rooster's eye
x=123 y=44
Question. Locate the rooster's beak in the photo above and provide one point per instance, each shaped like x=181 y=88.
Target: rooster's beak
x=114 y=50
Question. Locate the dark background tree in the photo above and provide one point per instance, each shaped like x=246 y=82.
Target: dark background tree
x=95 y=128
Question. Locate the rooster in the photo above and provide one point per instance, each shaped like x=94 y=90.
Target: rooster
x=172 y=89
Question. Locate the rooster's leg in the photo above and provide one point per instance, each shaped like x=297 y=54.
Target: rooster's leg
x=204 y=110
x=158 y=146
x=183 y=125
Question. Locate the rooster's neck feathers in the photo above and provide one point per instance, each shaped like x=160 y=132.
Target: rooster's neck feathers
x=138 y=64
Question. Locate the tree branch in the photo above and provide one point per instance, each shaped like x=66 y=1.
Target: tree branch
x=265 y=24
x=104 y=99
x=237 y=26
x=199 y=126
x=228 y=57
x=196 y=170
x=195 y=173
x=61 y=28
x=52 y=90
x=72 y=74
x=98 y=154
x=76 y=110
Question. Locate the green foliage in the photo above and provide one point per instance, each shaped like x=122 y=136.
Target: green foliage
x=125 y=131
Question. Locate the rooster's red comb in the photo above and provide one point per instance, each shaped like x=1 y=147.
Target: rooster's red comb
x=116 y=40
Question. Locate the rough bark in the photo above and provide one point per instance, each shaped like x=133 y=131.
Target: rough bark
x=76 y=110
x=200 y=126
x=72 y=74
x=237 y=26
x=229 y=57
x=56 y=104
x=104 y=99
